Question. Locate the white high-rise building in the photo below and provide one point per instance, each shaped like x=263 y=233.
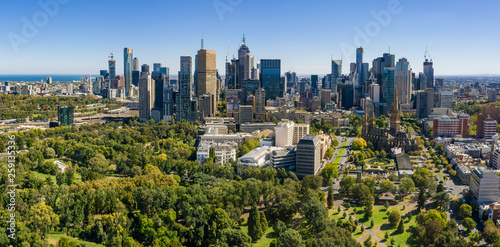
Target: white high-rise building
x=284 y=133
x=299 y=131
x=404 y=81
x=288 y=133
x=375 y=92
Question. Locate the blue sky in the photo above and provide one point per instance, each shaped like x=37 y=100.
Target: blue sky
x=463 y=37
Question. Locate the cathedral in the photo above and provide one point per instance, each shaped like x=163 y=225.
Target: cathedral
x=388 y=138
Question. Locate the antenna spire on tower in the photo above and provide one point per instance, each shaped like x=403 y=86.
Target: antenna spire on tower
x=202 y=41
x=244 y=39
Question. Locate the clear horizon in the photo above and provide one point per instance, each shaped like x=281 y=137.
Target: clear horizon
x=74 y=38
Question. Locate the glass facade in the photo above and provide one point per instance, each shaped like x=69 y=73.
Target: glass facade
x=127 y=63
x=270 y=78
x=388 y=88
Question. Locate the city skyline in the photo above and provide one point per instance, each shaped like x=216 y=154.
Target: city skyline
x=58 y=47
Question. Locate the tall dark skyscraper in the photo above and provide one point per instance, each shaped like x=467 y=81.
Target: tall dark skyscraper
x=245 y=63
x=136 y=73
x=127 y=71
x=270 y=78
x=388 y=89
x=314 y=83
x=346 y=95
x=112 y=67
x=429 y=72
x=184 y=111
x=359 y=65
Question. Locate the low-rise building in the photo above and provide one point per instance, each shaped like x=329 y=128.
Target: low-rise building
x=405 y=168
x=258 y=157
x=224 y=152
x=492 y=210
x=284 y=158
x=238 y=138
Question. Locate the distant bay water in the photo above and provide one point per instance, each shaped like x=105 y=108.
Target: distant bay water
x=30 y=78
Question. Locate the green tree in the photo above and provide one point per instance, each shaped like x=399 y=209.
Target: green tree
x=401 y=227
x=315 y=214
x=387 y=186
x=235 y=237
x=311 y=182
x=290 y=238
x=330 y=172
x=42 y=218
x=359 y=144
x=254 y=226
x=394 y=218
x=382 y=154
x=347 y=184
x=329 y=199
x=465 y=211
x=442 y=200
x=469 y=223
x=329 y=153
x=491 y=234
x=263 y=222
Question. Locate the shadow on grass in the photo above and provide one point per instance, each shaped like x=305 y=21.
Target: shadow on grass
x=272 y=235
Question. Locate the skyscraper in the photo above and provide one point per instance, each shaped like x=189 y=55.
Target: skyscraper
x=207 y=76
x=112 y=67
x=260 y=105
x=429 y=72
x=336 y=69
x=136 y=64
x=270 y=78
x=403 y=80
x=127 y=63
x=184 y=111
x=136 y=74
x=388 y=88
x=146 y=94
x=359 y=63
x=245 y=63
x=314 y=83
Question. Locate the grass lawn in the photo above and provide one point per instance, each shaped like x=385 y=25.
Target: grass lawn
x=342 y=148
x=402 y=239
x=379 y=217
x=335 y=215
x=266 y=239
x=337 y=160
x=42 y=175
x=54 y=238
x=442 y=177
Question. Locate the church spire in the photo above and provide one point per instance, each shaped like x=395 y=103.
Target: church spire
x=395 y=118
x=373 y=114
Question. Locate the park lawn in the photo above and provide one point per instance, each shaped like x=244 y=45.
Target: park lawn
x=335 y=215
x=379 y=217
x=266 y=239
x=54 y=238
x=400 y=239
x=42 y=175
